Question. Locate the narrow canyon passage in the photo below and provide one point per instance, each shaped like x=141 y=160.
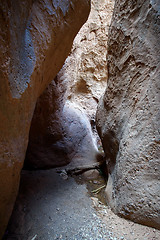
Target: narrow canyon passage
x=81 y=137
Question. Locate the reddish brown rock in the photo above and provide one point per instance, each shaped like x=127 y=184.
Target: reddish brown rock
x=128 y=115
x=35 y=38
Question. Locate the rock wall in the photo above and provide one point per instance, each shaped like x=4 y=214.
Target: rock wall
x=128 y=116
x=35 y=39
x=46 y=147
x=85 y=68
x=61 y=127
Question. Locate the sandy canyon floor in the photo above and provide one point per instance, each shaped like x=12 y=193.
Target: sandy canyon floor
x=52 y=205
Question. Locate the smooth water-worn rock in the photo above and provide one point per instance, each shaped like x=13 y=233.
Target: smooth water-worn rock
x=60 y=132
x=36 y=37
x=128 y=116
x=81 y=144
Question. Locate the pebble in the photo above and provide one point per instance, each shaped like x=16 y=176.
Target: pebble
x=95 y=181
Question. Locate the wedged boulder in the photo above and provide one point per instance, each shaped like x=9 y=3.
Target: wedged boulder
x=60 y=132
x=36 y=37
x=79 y=138
x=128 y=116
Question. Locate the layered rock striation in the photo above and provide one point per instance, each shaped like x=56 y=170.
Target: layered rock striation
x=35 y=39
x=128 y=116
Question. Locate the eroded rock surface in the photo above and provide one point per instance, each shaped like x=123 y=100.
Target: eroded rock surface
x=36 y=37
x=85 y=69
x=61 y=126
x=128 y=116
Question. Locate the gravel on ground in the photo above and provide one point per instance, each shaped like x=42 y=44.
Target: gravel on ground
x=52 y=206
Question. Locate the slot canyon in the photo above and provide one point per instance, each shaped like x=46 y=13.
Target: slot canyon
x=79 y=119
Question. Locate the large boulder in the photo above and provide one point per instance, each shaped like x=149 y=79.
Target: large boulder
x=80 y=141
x=128 y=116
x=36 y=37
x=60 y=132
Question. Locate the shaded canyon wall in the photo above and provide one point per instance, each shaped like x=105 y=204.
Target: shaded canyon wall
x=128 y=116
x=35 y=39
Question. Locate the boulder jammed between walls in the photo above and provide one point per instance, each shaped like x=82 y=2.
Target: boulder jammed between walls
x=60 y=132
x=36 y=37
x=128 y=116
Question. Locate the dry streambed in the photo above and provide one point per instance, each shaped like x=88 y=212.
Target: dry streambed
x=52 y=205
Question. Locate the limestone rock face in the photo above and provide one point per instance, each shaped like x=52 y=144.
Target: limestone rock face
x=61 y=127
x=35 y=39
x=128 y=114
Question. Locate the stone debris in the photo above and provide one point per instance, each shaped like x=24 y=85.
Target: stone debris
x=64 y=175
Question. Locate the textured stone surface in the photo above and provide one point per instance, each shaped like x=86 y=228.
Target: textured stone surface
x=85 y=68
x=35 y=38
x=79 y=84
x=128 y=115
